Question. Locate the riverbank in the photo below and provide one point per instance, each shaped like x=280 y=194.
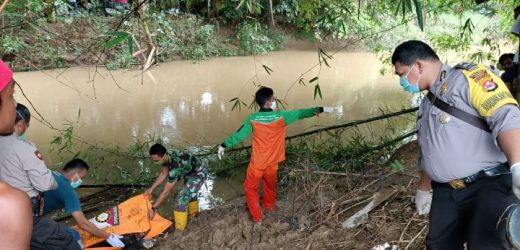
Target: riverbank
x=312 y=206
x=81 y=39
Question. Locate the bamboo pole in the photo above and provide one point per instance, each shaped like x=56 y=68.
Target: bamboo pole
x=271 y=10
x=344 y=125
x=148 y=37
x=4 y=4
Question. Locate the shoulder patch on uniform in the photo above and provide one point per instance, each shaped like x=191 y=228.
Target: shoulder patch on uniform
x=466 y=66
x=484 y=79
x=487 y=92
x=38 y=155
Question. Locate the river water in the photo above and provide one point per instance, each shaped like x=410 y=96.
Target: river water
x=187 y=104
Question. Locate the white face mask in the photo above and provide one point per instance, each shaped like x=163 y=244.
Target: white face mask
x=273 y=105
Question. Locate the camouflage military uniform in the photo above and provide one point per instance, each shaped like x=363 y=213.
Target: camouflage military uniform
x=183 y=164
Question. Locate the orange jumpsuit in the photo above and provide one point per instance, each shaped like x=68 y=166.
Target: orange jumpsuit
x=269 y=128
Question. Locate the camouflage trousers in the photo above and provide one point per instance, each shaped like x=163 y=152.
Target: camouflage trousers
x=189 y=192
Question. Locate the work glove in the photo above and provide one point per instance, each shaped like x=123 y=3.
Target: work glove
x=423 y=201
x=221 y=151
x=332 y=109
x=115 y=240
x=515 y=173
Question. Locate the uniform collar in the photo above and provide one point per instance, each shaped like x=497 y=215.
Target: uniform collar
x=266 y=110
x=441 y=77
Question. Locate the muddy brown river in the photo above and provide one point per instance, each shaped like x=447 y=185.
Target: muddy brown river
x=187 y=104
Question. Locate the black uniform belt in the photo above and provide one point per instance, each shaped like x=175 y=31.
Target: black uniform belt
x=501 y=169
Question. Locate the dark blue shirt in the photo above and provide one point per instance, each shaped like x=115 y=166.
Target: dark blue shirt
x=510 y=74
x=63 y=196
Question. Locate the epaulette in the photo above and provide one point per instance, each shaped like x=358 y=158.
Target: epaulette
x=466 y=66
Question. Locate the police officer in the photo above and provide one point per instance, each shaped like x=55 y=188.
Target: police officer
x=22 y=166
x=465 y=162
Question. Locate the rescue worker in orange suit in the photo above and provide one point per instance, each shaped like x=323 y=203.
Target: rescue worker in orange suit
x=269 y=128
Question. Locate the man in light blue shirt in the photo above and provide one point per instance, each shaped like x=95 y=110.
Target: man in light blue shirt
x=65 y=196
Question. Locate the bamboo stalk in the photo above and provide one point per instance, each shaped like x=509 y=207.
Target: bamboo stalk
x=139 y=47
x=271 y=10
x=4 y=4
x=344 y=125
x=150 y=60
x=148 y=37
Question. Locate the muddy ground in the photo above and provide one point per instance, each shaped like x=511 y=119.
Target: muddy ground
x=312 y=206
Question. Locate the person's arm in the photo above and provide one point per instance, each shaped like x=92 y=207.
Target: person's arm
x=292 y=116
x=243 y=132
x=86 y=225
x=510 y=143
x=40 y=176
x=164 y=194
x=505 y=124
x=423 y=195
x=160 y=178
x=16 y=222
x=425 y=182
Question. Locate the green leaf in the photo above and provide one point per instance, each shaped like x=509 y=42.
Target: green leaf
x=418 y=11
x=324 y=54
x=130 y=45
x=118 y=39
x=301 y=81
x=467 y=30
x=317 y=91
x=267 y=69
x=237 y=103
x=314 y=79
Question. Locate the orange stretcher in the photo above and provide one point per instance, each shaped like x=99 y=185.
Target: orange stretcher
x=129 y=217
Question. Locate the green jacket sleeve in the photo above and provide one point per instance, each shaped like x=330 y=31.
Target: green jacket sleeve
x=291 y=116
x=242 y=133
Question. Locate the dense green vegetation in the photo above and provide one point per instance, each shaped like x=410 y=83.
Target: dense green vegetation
x=36 y=35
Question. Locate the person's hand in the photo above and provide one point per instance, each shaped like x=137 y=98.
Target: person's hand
x=221 y=151
x=515 y=173
x=423 y=201
x=151 y=213
x=115 y=241
x=148 y=192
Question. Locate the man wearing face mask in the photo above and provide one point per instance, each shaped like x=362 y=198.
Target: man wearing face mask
x=22 y=167
x=175 y=165
x=469 y=132
x=23 y=116
x=65 y=196
x=268 y=127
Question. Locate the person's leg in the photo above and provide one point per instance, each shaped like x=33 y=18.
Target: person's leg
x=180 y=212
x=182 y=199
x=269 y=187
x=253 y=178
x=49 y=235
x=445 y=222
x=487 y=229
x=194 y=184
